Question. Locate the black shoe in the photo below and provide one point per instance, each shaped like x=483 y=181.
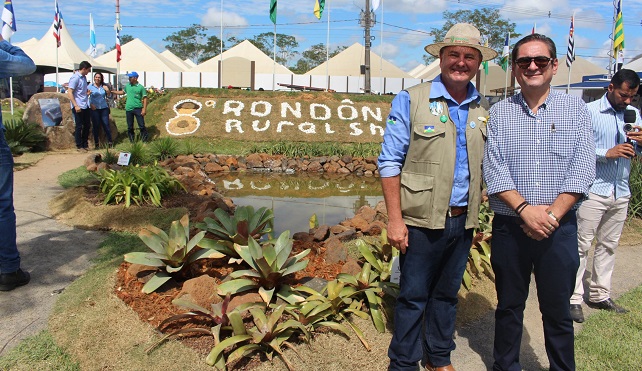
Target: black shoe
x=576 y=313
x=607 y=304
x=9 y=281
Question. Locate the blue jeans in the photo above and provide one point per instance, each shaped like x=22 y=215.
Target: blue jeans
x=554 y=261
x=100 y=117
x=431 y=273
x=9 y=256
x=83 y=121
x=136 y=112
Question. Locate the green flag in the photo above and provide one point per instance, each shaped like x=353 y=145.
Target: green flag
x=319 y=5
x=273 y=11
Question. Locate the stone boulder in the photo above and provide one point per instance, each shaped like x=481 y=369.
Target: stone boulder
x=61 y=136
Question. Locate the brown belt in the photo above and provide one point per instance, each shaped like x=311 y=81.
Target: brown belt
x=454 y=211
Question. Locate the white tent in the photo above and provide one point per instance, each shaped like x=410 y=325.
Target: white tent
x=580 y=68
x=429 y=72
x=635 y=64
x=189 y=62
x=138 y=56
x=349 y=61
x=31 y=41
x=246 y=50
x=176 y=60
x=413 y=72
x=43 y=53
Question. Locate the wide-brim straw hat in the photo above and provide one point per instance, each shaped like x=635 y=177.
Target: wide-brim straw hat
x=462 y=34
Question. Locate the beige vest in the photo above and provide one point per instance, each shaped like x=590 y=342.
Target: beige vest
x=429 y=168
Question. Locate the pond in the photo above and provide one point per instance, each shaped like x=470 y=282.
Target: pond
x=294 y=198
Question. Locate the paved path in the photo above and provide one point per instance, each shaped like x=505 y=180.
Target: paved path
x=54 y=254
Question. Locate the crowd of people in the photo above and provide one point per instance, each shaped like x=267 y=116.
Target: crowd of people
x=556 y=172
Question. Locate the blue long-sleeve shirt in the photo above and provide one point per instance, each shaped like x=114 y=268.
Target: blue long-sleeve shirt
x=611 y=176
x=13 y=62
x=397 y=137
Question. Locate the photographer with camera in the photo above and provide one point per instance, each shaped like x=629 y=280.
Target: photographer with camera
x=603 y=214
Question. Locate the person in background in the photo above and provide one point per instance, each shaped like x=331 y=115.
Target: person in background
x=135 y=106
x=430 y=166
x=100 y=109
x=13 y=62
x=79 y=98
x=539 y=162
x=605 y=211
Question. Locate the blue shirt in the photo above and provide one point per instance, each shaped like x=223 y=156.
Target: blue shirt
x=611 y=176
x=13 y=62
x=397 y=137
x=98 y=96
x=78 y=83
x=538 y=155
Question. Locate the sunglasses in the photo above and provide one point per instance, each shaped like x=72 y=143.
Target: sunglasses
x=540 y=62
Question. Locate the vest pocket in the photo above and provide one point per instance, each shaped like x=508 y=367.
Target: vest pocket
x=416 y=195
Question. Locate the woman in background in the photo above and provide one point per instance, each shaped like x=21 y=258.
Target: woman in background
x=99 y=92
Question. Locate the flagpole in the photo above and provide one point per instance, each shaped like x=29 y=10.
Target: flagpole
x=274 y=62
x=381 y=52
x=327 y=51
x=7 y=31
x=220 y=83
x=570 y=54
x=117 y=27
x=506 y=82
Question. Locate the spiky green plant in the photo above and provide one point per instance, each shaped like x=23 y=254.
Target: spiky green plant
x=23 y=137
x=171 y=252
x=164 y=148
x=479 y=256
x=190 y=147
x=138 y=153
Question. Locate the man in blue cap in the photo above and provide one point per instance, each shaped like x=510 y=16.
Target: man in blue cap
x=135 y=106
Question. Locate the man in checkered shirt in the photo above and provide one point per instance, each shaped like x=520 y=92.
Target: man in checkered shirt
x=539 y=162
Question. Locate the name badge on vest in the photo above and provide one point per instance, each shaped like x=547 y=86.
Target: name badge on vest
x=436 y=108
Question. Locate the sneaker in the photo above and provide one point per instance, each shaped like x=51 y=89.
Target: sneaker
x=576 y=313
x=9 y=281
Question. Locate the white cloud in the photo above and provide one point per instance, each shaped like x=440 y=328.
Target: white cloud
x=213 y=19
x=390 y=51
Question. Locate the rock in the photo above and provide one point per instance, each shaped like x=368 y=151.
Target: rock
x=254 y=160
x=367 y=213
x=336 y=229
x=322 y=232
x=303 y=236
x=92 y=168
x=315 y=166
x=93 y=159
x=201 y=290
x=351 y=267
x=359 y=223
x=213 y=167
x=102 y=166
x=142 y=273
x=247 y=297
x=347 y=235
x=335 y=251
x=375 y=228
x=315 y=283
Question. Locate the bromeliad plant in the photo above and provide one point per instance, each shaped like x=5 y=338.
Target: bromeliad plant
x=228 y=230
x=379 y=253
x=141 y=185
x=479 y=256
x=171 y=252
x=269 y=264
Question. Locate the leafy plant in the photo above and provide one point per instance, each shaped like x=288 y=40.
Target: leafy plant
x=236 y=229
x=366 y=284
x=269 y=264
x=164 y=148
x=139 y=184
x=23 y=137
x=268 y=335
x=379 y=253
x=635 y=185
x=479 y=256
x=171 y=252
x=109 y=157
x=137 y=153
x=190 y=147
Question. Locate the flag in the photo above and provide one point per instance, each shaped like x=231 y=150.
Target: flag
x=618 y=36
x=534 y=30
x=8 y=20
x=118 y=52
x=273 y=11
x=319 y=5
x=485 y=63
x=375 y=5
x=505 y=54
x=92 y=37
x=570 y=53
x=57 y=24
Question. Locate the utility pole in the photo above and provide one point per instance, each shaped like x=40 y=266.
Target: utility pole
x=367 y=20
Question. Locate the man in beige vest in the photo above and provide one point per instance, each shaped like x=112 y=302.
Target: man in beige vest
x=430 y=166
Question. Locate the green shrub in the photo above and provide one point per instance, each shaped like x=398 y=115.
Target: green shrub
x=164 y=148
x=143 y=185
x=24 y=137
x=138 y=153
x=190 y=147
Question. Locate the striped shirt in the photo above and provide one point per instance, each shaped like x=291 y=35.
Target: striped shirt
x=538 y=155
x=611 y=176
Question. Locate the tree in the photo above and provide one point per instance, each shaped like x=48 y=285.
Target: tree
x=124 y=39
x=487 y=20
x=187 y=43
x=286 y=46
x=314 y=56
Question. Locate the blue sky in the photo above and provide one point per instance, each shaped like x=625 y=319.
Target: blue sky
x=406 y=22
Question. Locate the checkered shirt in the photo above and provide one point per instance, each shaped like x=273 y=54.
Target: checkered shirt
x=539 y=155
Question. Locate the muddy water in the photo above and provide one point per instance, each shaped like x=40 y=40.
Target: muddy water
x=294 y=198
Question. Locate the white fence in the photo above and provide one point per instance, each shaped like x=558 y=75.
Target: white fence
x=341 y=84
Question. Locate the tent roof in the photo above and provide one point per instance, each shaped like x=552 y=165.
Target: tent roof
x=43 y=52
x=189 y=62
x=246 y=50
x=580 y=68
x=138 y=56
x=635 y=64
x=31 y=41
x=430 y=71
x=175 y=59
x=349 y=61
x=413 y=72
